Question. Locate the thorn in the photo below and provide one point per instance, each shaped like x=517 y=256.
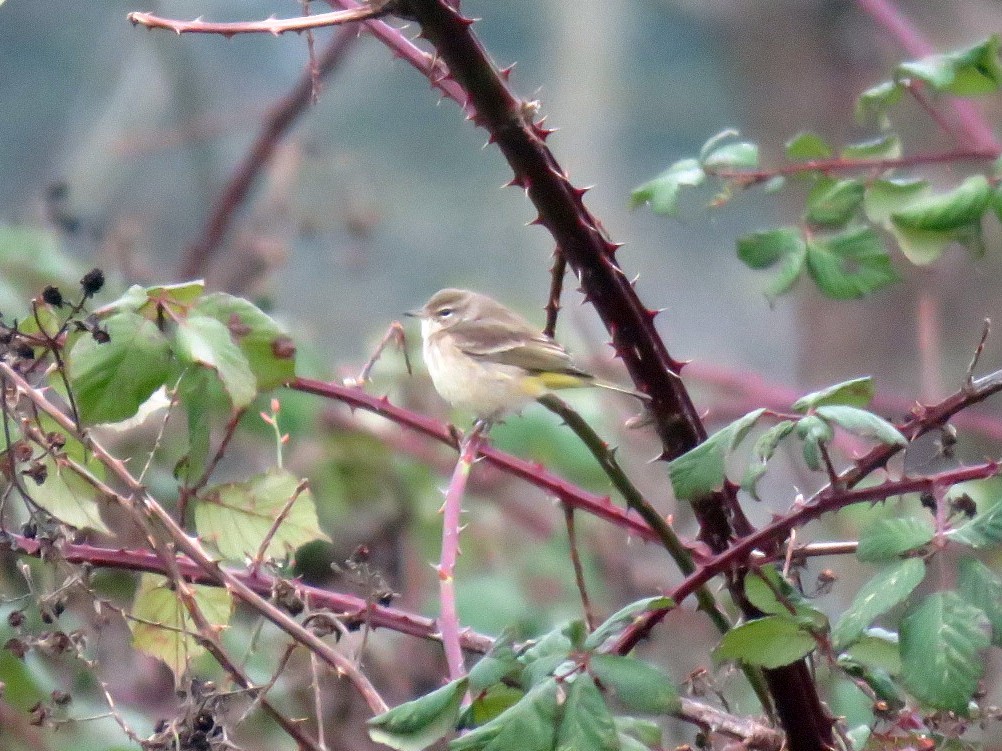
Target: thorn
x=516 y=182
x=538 y=220
x=505 y=73
x=464 y=21
x=579 y=192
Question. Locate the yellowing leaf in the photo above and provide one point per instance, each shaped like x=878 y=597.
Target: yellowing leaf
x=237 y=517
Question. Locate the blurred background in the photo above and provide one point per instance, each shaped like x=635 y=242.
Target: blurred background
x=121 y=140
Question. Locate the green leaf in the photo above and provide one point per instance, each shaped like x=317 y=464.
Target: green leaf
x=850 y=264
x=857 y=392
x=490 y=703
x=530 y=725
x=762 y=453
x=878 y=648
x=862 y=423
x=880 y=682
x=921 y=247
x=979 y=586
x=699 y=472
x=418 y=724
x=67 y=496
x=647 y=732
x=886 y=197
x=886 y=589
x=662 y=192
x=236 y=517
x=770 y=642
x=814 y=432
x=204 y=341
x=873 y=103
x=165 y=630
x=110 y=381
x=887 y=539
x=768 y=591
x=783 y=245
x=807 y=145
x=587 y=722
x=941 y=638
x=543 y=657
x=615 y=624
x=760 y=250
x=968 y=72
x=885 y=147
x=637 y=685
x=715 y=141
x=996 y=201
x=741 y=155
x=947 y=211
x=983 y=530
x=267 y=346
x=499 y=663
x=197 y=396
x=832 y=203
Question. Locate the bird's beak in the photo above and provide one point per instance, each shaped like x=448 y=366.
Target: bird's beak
x=414 y=314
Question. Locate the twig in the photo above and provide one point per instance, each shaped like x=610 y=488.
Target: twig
x=557 y=273
x=273 y=26
x=841 y=164
x=986 y=330
x=270 y=534
x=348 y=607
x=973 y=122
x=579 y=578
x=193 y=549
x=395 y=333
x=451 y=511
x=565 y=492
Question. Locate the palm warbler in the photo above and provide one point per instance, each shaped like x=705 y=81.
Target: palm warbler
x=488 y=360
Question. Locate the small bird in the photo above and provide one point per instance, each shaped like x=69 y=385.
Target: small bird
x=486 y=359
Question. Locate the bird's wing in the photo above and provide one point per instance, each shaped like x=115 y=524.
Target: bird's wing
x=512 y=342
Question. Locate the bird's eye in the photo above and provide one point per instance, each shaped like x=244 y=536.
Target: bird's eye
x=444 y=313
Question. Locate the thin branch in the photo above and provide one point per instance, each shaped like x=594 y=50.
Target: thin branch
x=273 y=26
x=579 y=577
x=565 y=492
x=841 y=164
x=193 y=549
x=350 y=609
x=972 y=121
x=451 y=511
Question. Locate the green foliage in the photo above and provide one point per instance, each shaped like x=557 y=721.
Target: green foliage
x=699 y=472
x=68 y=496
x=857 y=392
x=237 y=517
x=615 y=623
x=163 y=627
x=769 y=642
x=111 y=380
x=980 y=587
x=419 y=723
x=884 y=591
x=157 y=334
x=983 y=530
x=887 y=539
x=564 y=685
x=941 y=637
x=638 y=686
x=845 y=257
